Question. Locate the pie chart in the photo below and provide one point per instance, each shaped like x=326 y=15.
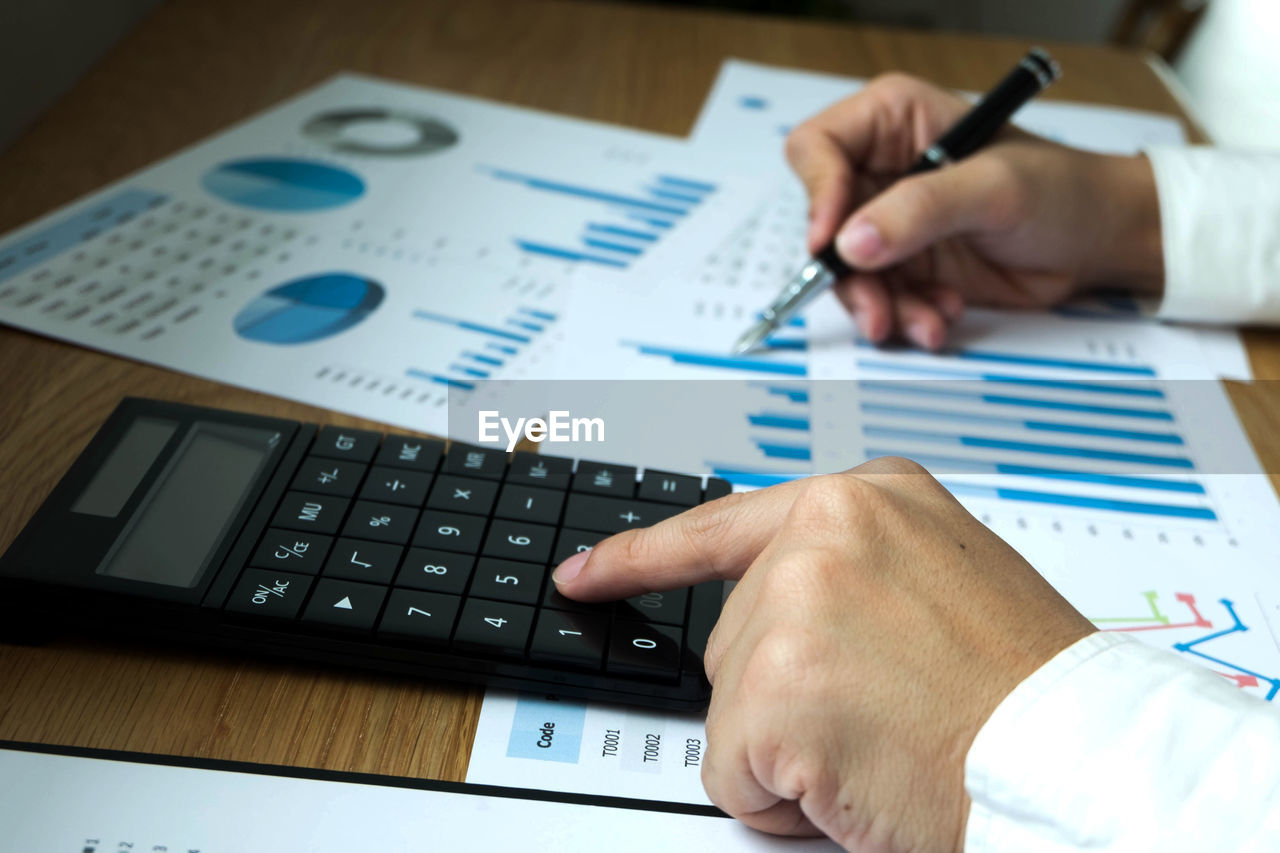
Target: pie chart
x=283 y=184
x=309 y=309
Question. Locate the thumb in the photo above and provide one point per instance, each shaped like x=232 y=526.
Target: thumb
x=920 y=210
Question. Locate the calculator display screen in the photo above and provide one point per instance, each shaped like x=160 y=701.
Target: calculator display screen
x=189 y=509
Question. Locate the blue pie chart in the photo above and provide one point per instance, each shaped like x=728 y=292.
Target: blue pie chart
x=283 y=184
x=309 y=309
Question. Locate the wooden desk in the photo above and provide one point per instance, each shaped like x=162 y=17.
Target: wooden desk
x=198 y=65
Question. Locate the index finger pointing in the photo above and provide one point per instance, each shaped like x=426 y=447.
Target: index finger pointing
x=717 y=540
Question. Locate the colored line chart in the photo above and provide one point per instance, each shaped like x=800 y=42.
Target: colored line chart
x=1154 y=618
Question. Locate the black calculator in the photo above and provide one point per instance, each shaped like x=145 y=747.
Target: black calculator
x=396 y=553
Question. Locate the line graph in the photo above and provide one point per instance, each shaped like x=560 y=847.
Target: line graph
x=1156 y=619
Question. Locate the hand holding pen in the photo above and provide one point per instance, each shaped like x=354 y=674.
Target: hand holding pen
x=1021 y=223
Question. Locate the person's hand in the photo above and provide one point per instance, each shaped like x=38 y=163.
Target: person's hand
x=1022 y=223
x=875 y=628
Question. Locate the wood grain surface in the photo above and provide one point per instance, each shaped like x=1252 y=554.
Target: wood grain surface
x=196 y=66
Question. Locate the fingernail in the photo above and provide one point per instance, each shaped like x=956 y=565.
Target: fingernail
x=570 y=568
x=860 y=243
x=922 y=335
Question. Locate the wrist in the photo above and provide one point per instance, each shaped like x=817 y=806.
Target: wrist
x=1130 y=249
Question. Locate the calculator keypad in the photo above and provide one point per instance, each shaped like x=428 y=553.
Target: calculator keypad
x=421 y=547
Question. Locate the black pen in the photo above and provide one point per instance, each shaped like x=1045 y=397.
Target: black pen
x=1033 y=73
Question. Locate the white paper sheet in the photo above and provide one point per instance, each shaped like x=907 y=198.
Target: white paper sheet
x=365 y=246
x=72 y=804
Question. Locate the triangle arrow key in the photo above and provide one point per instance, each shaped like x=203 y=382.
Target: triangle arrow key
x=345 y=603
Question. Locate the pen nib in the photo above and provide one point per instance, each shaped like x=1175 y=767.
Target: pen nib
x=752 y=338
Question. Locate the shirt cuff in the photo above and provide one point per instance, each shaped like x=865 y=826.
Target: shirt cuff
x=1114 y=745
x=1220 y=229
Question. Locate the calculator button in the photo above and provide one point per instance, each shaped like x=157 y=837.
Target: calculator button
x=358 y=445
x=552 y=598
x=318 y=513
x=670 y=488
x=381 y=522
x=425 y=617
x=362 y=560
x=665 y=607
x=515 y=540
x=647 y=651
x=613 y=515
x=291 y=551
x=265 y=593
x=534 y=469
x=328 y=476
x=414 y=454
x=450 y=531
x=435 y=571
x=717 y=488
x=493 y=627
x=598 y=478
x=463 y=494
x=472 y=461
x=345 y=604
x=571 y=542
x=528 y=503
x=396 y=486
x=507 y=580
x=575 y=639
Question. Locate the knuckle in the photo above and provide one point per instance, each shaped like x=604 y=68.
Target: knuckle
x=827 y=500
x=895 y=84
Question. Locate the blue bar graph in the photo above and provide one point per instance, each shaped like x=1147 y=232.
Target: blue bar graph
x=471 y=326
x=442 y=380
x=741 y=476
x=687 y=184
x=931 y=389
x=1081 y=501
x=471 y=364
x=669 y=195
x=535 y=312
x=1038 y=426
x=616 y=231
x=778 y=421
x=589 y=193
x=659 y=203
x=568 y=254
x=781 y=450
x=649 y=220
x=485 y=359
x=874 y=431
x=949 y=464
x=1012 y=379
x=724 y=362
x=593 y=243
x=1067 y=363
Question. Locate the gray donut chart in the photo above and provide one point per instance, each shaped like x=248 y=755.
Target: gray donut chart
x=432 y=134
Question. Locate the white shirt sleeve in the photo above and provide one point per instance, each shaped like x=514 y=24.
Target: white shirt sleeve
x=1117 y=746
x=1220 y=228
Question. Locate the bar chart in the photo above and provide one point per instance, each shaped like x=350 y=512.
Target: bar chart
x=618 y=224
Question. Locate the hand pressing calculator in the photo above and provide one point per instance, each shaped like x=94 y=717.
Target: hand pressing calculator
x=390 y=552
